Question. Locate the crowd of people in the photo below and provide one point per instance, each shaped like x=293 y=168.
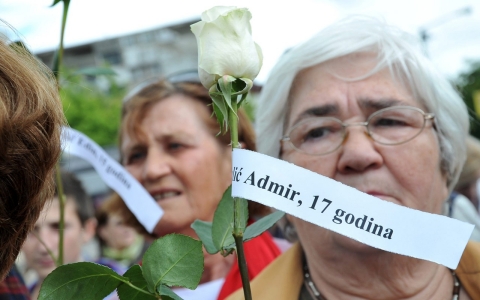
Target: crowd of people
x=357 y=103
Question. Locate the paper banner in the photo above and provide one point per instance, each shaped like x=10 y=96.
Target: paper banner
x=347 y=211
x=138 y=200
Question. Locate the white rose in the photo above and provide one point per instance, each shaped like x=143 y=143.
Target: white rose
x=225 y=45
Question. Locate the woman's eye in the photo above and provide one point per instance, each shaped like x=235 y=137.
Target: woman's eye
x=135 y=157
x=316 y=134
x=175 y=146
x=390 y=122
x=56 y=226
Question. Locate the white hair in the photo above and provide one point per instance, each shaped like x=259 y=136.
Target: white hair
x=397 y=51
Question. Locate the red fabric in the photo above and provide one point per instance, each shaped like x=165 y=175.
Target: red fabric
x=259 y=253
x=13 y=288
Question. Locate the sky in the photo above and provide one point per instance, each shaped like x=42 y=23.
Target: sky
x=277 y=25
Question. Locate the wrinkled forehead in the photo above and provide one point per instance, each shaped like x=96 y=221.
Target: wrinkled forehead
x=352 y=68
x=359 y=66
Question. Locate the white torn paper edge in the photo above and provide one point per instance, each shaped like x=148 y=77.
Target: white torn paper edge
x=138 y=200
x=318 y=199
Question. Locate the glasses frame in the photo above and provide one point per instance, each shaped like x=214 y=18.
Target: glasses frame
x=426 y=117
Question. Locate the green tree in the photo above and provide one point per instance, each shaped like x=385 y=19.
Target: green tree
x=468 y=84
x=91 y=110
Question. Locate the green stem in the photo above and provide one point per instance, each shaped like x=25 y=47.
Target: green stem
x=61 y=226
x=233 y=124
x=237 y=227
x=57 y=62
x=242 y=265
x=58 y=59
x=135 y=287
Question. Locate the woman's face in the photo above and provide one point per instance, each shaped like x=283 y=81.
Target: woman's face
x=408 y=174
x=179 y=162
x=116 y=234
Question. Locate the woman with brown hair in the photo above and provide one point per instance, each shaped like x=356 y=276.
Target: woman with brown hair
x=119 y=242
x=171 y=144
x=31 y=117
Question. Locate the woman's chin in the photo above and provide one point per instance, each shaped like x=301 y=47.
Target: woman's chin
x=352 y=245
x=165 y=227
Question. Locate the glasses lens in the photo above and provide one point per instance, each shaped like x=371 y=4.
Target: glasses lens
x=396 y=125
x=317 y=135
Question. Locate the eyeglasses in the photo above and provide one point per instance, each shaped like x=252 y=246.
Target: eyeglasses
x=389 y=126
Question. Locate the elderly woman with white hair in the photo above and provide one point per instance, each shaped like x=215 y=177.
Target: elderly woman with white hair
x=360 y=104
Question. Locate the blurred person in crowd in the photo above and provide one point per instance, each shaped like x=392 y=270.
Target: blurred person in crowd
x=463 y=201
x=79 y=228
x=468 y=184
x=169 y=143
x=31 y=117
x=118 y=241
x=359 y=103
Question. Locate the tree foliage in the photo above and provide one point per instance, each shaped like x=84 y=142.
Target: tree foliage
x=468 y=83
x=92 y=110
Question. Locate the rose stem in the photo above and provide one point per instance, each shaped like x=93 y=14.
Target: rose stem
x=237 y=230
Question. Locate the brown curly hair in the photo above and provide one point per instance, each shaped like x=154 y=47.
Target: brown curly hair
x=31 y=117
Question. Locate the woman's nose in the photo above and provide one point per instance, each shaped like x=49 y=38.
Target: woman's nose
x=358 y=151
x=156 y=165
x=48 y=238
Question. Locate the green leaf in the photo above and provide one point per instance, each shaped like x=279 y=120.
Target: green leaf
x=93 y=111
x=222 y=226
x=173 y=260
x=244 y=96
x=167 y=293
x=262 y=225
x=55 y=2
x=220 y=119
x=95 y=71
x=239 y=86
x=135 y=277
x=225 y=84
x=204 y=231
x=245 y=88
x=219 y=107
x=79 y=281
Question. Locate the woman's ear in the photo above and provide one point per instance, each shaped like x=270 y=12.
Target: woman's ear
x=242 y=145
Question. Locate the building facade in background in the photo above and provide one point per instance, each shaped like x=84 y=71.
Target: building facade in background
x=136 y=57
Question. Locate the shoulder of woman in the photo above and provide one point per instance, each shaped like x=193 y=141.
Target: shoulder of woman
x=282 y=279
x=468 y=270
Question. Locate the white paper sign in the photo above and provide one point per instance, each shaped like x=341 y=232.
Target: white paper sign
x=347 y=211
x=138 y=200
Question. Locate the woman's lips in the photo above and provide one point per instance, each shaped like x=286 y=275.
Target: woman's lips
x=161 y=196
x=46 y=263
